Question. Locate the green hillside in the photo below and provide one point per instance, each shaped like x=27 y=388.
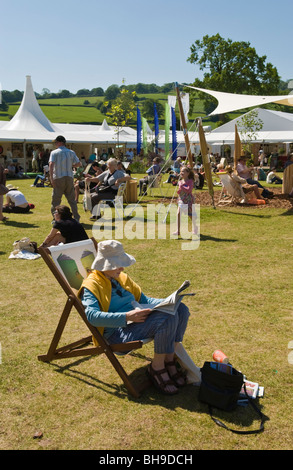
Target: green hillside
x=74 y=110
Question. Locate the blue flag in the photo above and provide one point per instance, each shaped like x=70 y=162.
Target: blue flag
x=174 y=135
x=156 y=122
x=138 y=130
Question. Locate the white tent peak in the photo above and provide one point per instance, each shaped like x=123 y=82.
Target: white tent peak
x=29 y=116
x=105 y=126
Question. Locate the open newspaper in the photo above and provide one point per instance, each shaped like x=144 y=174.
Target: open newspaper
x=170 y=304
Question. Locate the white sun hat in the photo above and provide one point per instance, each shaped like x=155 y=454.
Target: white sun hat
x=111 y=255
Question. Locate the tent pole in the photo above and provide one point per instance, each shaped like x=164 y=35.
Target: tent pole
x=183 y=122
x=24 y=156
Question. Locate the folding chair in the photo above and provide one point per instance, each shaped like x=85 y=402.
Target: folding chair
x=70 y=263
x=228 y=194
x=287 y=179
x=154 y=183
x=117 y=202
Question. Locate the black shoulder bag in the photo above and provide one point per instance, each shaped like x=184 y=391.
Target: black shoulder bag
x=221 y=390
x=105 y=187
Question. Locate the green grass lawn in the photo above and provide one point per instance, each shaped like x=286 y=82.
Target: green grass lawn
x=242 y=276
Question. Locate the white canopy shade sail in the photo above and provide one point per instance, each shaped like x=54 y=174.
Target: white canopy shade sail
x=228 y=102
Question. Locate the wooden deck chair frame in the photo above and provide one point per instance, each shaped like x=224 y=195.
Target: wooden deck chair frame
x=232 y=197
x=287 y=179
x=117 y=202
x=155 y=183
x=83 y=347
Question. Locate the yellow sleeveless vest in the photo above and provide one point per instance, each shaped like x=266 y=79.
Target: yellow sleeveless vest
x=99 y=285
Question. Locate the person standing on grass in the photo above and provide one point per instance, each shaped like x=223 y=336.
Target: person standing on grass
x=61 y=163
x=3 y=190
x=185 y=196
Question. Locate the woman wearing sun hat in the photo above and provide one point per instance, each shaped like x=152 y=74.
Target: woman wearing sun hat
x=107 y=295
x=15 y=201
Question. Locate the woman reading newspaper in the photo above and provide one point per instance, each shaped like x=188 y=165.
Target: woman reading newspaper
x=110 y=299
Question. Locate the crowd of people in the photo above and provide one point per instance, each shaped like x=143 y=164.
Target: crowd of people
x=108 y=292
x=69 y=175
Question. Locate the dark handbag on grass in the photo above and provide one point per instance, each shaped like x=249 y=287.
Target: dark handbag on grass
x=220 y=388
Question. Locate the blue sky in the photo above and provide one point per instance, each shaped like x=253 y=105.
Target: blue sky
x=70 y=44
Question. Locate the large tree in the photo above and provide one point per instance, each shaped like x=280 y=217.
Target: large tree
x=233 y=67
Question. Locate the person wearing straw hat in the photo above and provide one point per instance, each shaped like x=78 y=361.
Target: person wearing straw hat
x=107 y=295
x=16 y=201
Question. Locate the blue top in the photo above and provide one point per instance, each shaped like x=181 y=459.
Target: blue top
x=120 y=304
x=154 y=169
x=64 y=159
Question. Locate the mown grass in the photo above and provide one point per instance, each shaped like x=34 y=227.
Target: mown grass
x=241 y=274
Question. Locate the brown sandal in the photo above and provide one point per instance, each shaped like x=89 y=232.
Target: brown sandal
x=178 y=375
x=157 y=380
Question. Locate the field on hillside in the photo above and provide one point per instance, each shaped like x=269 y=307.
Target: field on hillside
x=73 y=110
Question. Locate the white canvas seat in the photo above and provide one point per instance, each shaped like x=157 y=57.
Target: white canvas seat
x=229 y=194
x=155 y=182
x=70 y=263
x=117 y=202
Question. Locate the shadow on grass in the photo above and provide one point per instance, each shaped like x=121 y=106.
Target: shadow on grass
x=259 y=216
x=14 y=223
x=204 y=238
x=288 y=212
x=241 y=419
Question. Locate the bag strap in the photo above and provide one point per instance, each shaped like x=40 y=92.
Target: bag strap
x=256 y=431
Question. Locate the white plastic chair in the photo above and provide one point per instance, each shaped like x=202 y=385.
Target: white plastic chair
x=117 y=201
x=155 y=183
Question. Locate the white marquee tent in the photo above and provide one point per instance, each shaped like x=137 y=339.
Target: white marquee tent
x=31 y=125
x=277 y=127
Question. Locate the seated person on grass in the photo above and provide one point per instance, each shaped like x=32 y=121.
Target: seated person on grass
x=65 y=228
x=109 y=183
x=107 y=295
x=246 y=173
x=152 y=171
x=239 y=184
x=79 y=185
x=16 y=201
